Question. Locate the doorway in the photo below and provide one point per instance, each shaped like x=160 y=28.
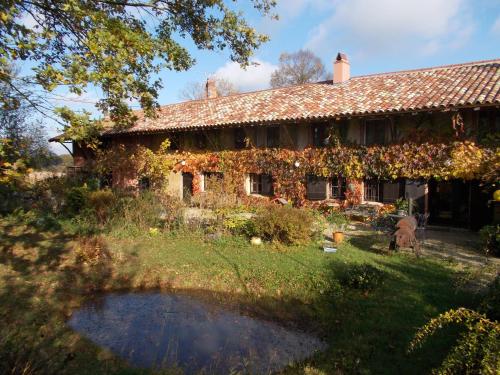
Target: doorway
x=187 y=186
x=458 y=203
x=449 y=203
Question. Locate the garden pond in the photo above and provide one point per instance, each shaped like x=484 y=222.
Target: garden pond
x=160 y=330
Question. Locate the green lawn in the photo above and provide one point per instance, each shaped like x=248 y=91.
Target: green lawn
x=41 y=281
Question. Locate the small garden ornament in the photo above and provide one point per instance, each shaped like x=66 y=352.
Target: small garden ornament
x=404 y=235
x=256 y=241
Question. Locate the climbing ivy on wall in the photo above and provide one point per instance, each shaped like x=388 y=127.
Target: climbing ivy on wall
x=458 y=160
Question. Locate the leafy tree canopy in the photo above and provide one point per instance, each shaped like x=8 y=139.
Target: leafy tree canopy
x=299 y=67
x=118 y=46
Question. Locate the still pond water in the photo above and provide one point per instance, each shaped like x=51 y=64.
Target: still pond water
x=158 y=330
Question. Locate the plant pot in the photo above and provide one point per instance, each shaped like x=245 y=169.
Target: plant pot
x=401 y=212
x=338 y=237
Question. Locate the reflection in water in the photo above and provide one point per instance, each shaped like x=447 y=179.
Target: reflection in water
x=157 y=330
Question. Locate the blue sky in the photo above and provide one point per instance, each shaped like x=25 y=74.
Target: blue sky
x=377 y=35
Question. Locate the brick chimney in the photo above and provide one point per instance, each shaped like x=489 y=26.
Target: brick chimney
x=341 y=68
x=210 y=89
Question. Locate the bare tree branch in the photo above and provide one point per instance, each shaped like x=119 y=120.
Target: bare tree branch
x=299 y=67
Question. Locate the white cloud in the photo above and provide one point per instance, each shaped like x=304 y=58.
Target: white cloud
x=394 y=26
x=395 y=18
x=254 y=77
x=495 y=29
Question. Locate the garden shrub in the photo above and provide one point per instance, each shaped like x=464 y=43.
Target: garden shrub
x=83 y=224
x=491 y=237
x=338 y=219
x=76 y=199
x=235 y=223
x=10 y=199
x=92 y=250
x=320 y=283
x=477 y=348
x=235 y=220
x=491 y=302
x=102 y=203
x=135 y=215
x=284 y=224
x=17 y=356
x=41 y=220
x=46 y=221
x=172 y=210
x=363 y=276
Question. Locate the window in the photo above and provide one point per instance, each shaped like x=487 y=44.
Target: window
x=372 y=190
x=375 y=132
x=273 y=137
x=488 y=131
x=239 y=138
x=338 y=133
x=213 y=139
x=200 y=140
x=384 y=191
x=338 y=188
x=316 y=187
x=174 y=141
x=211 y=180
x=391 y=191
x=320 y=136
x=261 y=184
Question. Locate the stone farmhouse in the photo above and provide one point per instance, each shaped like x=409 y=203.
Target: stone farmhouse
x=439 y=105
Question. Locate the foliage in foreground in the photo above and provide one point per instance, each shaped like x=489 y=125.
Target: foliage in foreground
x=108 y=44
x=477 y=351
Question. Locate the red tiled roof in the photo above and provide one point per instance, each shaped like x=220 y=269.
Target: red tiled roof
x=451 y=86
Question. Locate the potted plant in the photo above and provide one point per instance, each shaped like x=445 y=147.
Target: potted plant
x=339 y=221
x=402 y=206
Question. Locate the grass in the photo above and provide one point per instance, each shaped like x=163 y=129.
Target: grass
x=42 y=281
